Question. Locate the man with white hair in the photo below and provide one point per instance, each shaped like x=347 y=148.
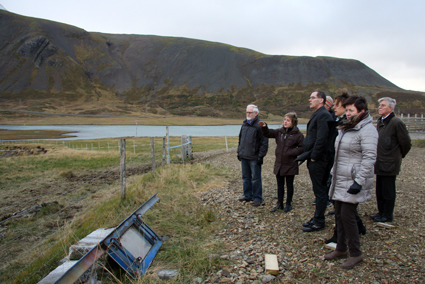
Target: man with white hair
x=394 y=143
x=252 y=148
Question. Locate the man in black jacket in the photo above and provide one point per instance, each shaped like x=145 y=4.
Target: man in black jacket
x=252 y=148
x=317 y=152
x=393 y=145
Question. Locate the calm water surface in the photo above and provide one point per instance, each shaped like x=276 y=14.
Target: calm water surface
x=116 y=131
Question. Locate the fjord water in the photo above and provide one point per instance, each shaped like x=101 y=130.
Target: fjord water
x=115 y=131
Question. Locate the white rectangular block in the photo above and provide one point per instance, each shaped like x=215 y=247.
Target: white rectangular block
x=331 y=246
x=385 y=225
x=272 y=266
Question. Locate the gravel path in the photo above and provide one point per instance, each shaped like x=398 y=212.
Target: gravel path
x=391 y=255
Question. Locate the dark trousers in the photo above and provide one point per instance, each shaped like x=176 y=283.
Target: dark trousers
x=359 y=222
x=385 y=195
x=347 y=229
x=319 y=176
x=281 y=189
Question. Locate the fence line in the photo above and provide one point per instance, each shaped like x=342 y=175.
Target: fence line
x=185 y=146
x=414 y=123
x=96 y=146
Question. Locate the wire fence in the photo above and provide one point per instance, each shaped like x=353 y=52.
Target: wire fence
x=414 y=123
x=64 y=194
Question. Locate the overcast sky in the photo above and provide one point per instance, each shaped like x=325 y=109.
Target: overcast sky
x=386 y=35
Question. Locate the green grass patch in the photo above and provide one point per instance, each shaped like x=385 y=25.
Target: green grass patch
x=420 y=143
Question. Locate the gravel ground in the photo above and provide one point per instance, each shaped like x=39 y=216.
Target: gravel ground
x=390 y=254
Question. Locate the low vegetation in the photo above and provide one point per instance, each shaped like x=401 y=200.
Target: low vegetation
x=51 y=200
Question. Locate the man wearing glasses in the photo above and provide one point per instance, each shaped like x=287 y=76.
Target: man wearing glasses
x=252 y=148
x=317 y=152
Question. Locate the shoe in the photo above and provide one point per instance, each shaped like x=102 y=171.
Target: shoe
x=383 y=219
x=336 y=254
x=287 y=208
x=308 y=223
x=333 y=239
x=276 y=208
x=352 y=261
x=256 y=203
x=376 y=215
x=244 y=199
x=313 y=228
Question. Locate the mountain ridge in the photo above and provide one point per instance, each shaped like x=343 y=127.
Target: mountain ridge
x=50 y=62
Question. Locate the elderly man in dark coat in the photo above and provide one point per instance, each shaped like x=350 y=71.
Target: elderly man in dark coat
x=394 y=143
x=252 y=148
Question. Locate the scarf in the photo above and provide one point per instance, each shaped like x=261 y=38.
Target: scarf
x=348 y=123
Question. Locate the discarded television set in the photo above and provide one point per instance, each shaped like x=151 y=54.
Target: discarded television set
x=132 y=245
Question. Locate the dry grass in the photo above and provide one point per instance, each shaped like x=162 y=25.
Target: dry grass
x=144 y=119
x=73 y=192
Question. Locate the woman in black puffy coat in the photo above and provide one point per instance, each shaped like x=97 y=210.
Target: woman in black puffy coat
x=289 y=141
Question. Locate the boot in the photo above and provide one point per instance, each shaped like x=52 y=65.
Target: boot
x=376 y=215
x=278 y=206
x=333 y=239
x=287 y=208
x=352 y=261
x=336 y=254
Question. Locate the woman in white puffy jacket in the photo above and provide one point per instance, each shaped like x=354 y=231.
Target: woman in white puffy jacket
x=352 y=177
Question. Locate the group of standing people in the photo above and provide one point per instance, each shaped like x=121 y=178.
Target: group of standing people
x=343 y=150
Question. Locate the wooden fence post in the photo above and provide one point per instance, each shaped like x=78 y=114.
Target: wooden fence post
x=183 y=148
x=168 y=145
x=153 y=154
x=227 y=146
x=122 y=169
x=163 y=150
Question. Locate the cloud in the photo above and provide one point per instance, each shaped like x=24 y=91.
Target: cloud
x=385 y=35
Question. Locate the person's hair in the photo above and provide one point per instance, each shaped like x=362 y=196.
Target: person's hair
x=341 y=98
x=255 y=108
x=321 y=95
x=391 y=102
x=293 y=116
x=358 y=101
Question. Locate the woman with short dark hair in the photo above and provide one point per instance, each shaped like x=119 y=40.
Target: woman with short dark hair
x=352 y=177
x=289 y=141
